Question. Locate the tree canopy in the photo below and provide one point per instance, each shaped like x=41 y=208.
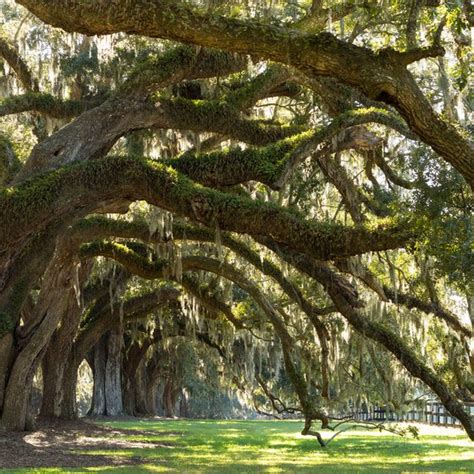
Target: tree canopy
x=264 y=203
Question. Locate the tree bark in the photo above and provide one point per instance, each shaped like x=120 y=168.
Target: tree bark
x=57 y=355
x=107 y=393
x=113 y=379
x=98 y=407
x=132 y=382
x=68 y=406
x=52 y=384
x=169 y=398
x=55 y=298
x=140 y=389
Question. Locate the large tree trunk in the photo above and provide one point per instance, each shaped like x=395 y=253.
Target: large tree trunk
x=129 y=399
x=151 y=397
x=56 y=359
x=52 y=384
x=160 y=386
x=107 y=394
x=133 y=384
x=68 y=407
x=99 y=362
x=12 y=300
x=170 y=394
x=151 y=373
x=140 y=389
x=56 y=296
x=183 y=406
x=113 y=379
x=15 y=414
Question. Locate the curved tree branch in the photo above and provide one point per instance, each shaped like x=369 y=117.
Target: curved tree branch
x=74 y=191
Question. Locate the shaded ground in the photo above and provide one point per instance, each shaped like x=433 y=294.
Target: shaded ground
x=66 y=444
x=188 y=446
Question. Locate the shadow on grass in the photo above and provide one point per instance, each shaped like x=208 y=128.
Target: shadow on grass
x=273 y=446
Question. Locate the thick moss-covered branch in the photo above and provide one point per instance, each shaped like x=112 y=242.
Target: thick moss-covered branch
x=74 y=191
x=217 y=117
x=274 y=163
x=415 y=54
x=380 y=76
x=47 y=104
x=94 y=132
x=178 y=64
x=237 y=165
x=134 y=261
x=272 y=81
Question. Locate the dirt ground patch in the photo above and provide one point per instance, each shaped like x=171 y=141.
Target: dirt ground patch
x=54 y=442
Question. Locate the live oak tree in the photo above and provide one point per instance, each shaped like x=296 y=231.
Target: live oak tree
x=302 y=171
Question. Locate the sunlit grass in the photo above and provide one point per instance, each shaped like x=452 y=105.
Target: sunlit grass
x=277 y=446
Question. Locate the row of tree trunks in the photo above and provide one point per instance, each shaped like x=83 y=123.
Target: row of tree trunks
x=124 y=381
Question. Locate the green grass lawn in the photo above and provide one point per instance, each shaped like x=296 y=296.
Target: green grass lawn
x=277 y=446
